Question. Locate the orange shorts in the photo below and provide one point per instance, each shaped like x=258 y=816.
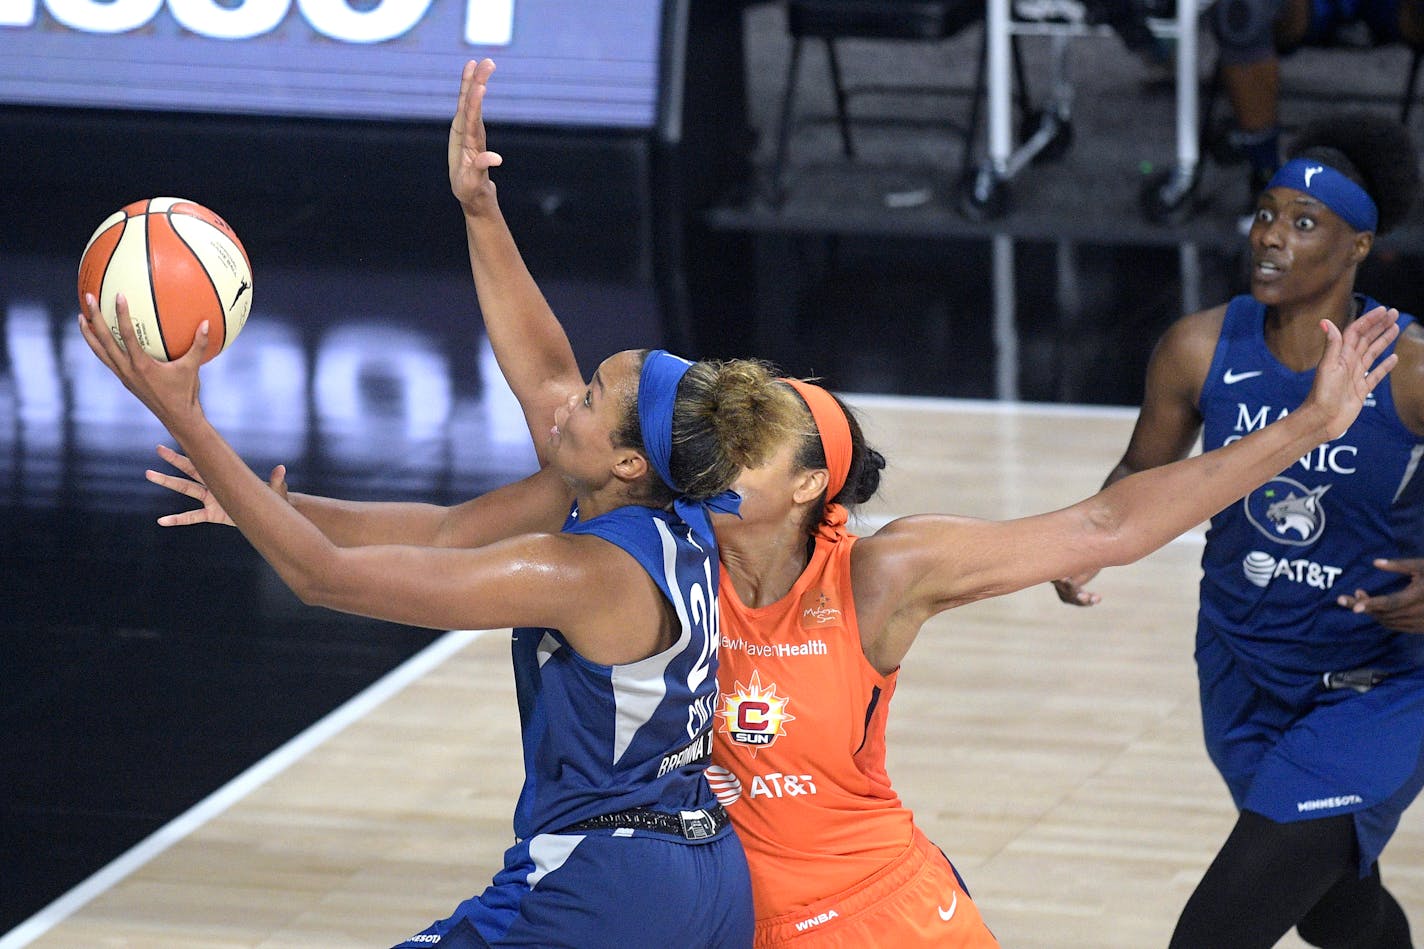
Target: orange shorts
x=915 y=901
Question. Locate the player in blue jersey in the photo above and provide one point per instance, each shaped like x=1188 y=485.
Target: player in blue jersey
x=609 y=574
x=1313 y=714
x=769 y=549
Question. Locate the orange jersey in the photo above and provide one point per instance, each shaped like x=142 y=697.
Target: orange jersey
x=799 y=750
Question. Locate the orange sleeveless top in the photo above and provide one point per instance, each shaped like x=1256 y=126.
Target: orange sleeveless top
x=799 y=750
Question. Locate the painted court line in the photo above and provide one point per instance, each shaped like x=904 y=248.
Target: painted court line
x=355 y=708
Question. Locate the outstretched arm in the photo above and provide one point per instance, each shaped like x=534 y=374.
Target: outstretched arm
x=540 y=502
x=932 y=563
x=598 y=595
x=529 y=343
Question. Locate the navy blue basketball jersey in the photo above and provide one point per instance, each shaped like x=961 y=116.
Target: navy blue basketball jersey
x=1275 y=562
x=602 y=740
x=599 y=739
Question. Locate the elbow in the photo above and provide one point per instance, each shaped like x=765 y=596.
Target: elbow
x=311 y=596
x=1111 y=541
x=308 y=590
x=309 y=586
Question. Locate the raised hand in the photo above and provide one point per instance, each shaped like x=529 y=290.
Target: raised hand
x=1343 y=377
x=193 y=486
x=468 y=158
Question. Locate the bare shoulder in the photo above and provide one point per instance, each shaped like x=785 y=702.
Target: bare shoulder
x=618 y=613
x=594 y=555
x=1182 y=358
x=581 y=566
x=904 y=533
x=1407 y=378
x=1411 y=343
x=898 y=554
x=1193 y=338
x=604 y=574
x=906 y=572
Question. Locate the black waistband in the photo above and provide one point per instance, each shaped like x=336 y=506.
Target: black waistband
x=691 y=825
x=1361 y=680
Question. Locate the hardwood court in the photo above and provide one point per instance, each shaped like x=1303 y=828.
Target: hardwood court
x=1054 y=753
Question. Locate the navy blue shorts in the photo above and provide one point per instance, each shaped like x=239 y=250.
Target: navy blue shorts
x=1344 y=753
x=607 y=888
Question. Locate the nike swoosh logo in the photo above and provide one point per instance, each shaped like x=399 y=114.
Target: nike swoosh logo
x=1231 y=378
x=948 y=914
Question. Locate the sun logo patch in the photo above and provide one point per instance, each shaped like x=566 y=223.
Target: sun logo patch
x=753 y=715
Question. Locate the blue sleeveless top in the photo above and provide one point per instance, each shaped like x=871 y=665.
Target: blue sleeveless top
x=599 y=739
x=1275 y=562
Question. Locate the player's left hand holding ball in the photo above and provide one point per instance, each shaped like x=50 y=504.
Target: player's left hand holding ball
x=168 y=389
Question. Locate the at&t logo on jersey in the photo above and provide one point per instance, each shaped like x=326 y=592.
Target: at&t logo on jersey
x=1261 y=568
x=724 y=784
x=729 y=789
x=776 y=784
x=753 y=715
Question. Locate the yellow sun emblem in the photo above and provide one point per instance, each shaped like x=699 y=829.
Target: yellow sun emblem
x=754 y=715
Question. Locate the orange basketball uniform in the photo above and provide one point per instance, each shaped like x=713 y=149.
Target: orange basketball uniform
x=799 y=762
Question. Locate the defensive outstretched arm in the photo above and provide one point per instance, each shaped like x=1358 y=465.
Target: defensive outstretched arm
x=932 y=563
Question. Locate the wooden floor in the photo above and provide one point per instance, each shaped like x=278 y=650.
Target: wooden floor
x=1054 y=753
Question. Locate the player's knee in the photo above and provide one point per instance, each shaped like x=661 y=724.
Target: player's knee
x=1328 y=932
x=1243 y=29
x=1355 y=913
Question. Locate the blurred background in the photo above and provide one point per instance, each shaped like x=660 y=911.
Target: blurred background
x=675 y=174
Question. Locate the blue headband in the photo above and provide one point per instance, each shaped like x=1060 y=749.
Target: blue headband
x=1330 y=188
x=657 y=396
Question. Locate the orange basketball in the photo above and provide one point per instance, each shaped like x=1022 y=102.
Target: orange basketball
x=178 y=264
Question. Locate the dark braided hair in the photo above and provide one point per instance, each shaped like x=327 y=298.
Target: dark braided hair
x=1372 y=150
x=865 y=466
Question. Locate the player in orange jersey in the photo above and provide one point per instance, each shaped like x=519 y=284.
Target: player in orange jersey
x=815 y=621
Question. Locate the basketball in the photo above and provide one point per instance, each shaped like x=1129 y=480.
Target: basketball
x=178 y=264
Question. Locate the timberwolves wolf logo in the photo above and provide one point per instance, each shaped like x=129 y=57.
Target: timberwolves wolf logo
x=1287 y=511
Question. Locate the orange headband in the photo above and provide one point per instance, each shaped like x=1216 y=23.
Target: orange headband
x=831 y=422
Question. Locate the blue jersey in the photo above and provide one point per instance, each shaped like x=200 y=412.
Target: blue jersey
x=599 y=739
x=1275 y=562
x=1268 y=628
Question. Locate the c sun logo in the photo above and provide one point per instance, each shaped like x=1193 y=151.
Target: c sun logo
x=753 y=715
